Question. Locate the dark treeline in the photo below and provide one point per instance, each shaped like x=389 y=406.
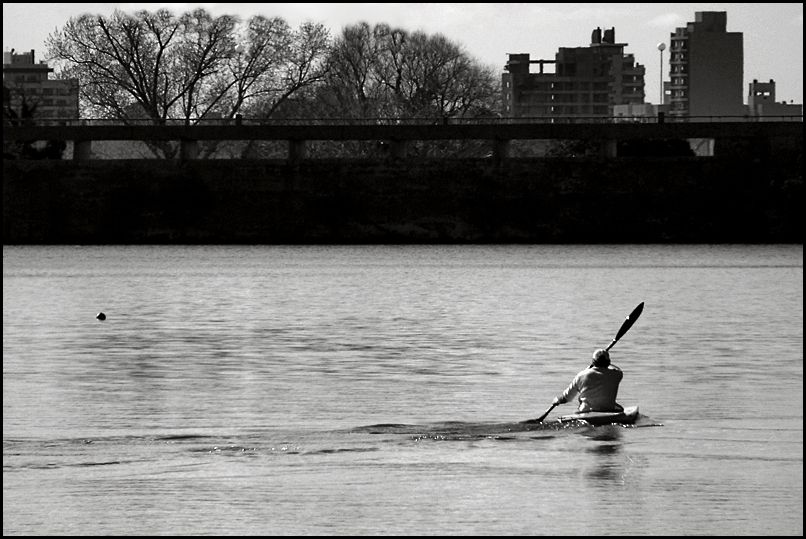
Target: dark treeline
x=25 y=115
x=157 y=66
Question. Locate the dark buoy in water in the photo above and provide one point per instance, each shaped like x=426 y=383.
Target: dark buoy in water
x=100 y=316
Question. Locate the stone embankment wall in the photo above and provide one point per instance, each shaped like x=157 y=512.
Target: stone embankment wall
x=580 y=200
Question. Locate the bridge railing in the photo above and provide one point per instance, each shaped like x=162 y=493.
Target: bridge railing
x=411 y=121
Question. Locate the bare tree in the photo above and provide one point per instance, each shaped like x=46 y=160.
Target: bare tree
x=281 y=66
x=442 y=80
x=352 y=79
x=158 y=67
x=388 y=72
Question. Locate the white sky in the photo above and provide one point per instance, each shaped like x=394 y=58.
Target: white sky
x=773 y=33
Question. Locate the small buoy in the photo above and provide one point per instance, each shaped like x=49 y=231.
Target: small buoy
x=100 y=316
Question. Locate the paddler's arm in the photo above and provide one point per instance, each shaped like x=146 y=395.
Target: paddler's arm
x=570 y=392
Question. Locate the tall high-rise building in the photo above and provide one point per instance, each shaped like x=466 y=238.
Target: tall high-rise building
x=26 y=81
x=586 y=82
x=706 y=68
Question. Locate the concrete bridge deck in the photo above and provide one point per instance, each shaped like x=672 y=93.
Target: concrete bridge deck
x=499 y=133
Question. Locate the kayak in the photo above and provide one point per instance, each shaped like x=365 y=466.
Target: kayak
x=628 y=416
x=458 y=430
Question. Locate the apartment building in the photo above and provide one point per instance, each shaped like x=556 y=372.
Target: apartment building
x=579 y=83
x=706 y=69
x=26 y=81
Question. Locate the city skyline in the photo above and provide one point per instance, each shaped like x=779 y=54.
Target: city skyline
x=773 y=33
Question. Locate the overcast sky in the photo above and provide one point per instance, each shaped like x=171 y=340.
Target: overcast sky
x=773 y=33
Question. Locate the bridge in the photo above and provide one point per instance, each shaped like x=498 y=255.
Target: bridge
x=399 y=133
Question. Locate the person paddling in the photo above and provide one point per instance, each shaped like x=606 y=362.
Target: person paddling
x=596 y=386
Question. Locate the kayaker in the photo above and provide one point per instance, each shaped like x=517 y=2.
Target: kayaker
x=597 y=386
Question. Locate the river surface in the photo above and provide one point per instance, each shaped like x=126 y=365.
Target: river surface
x=367 y=390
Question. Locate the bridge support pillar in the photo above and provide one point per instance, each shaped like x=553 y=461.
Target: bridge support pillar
x=297 y=150
x=500 y=150
x=189 y=149
x=82 y=150
x=398 y=148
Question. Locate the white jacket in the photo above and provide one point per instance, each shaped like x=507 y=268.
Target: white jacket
x=597 y=389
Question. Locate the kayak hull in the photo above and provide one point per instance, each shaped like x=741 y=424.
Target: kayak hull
x=628 y=416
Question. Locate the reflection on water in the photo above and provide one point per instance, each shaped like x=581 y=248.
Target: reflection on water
x=381 y=390
x=605 y=433
x=609 y=460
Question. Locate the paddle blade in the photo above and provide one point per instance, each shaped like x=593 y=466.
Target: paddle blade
x=542 y=417
x=633 y=316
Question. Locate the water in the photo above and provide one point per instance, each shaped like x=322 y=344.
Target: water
x=377 y=390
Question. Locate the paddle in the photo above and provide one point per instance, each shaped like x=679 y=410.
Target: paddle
x=633 y=316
